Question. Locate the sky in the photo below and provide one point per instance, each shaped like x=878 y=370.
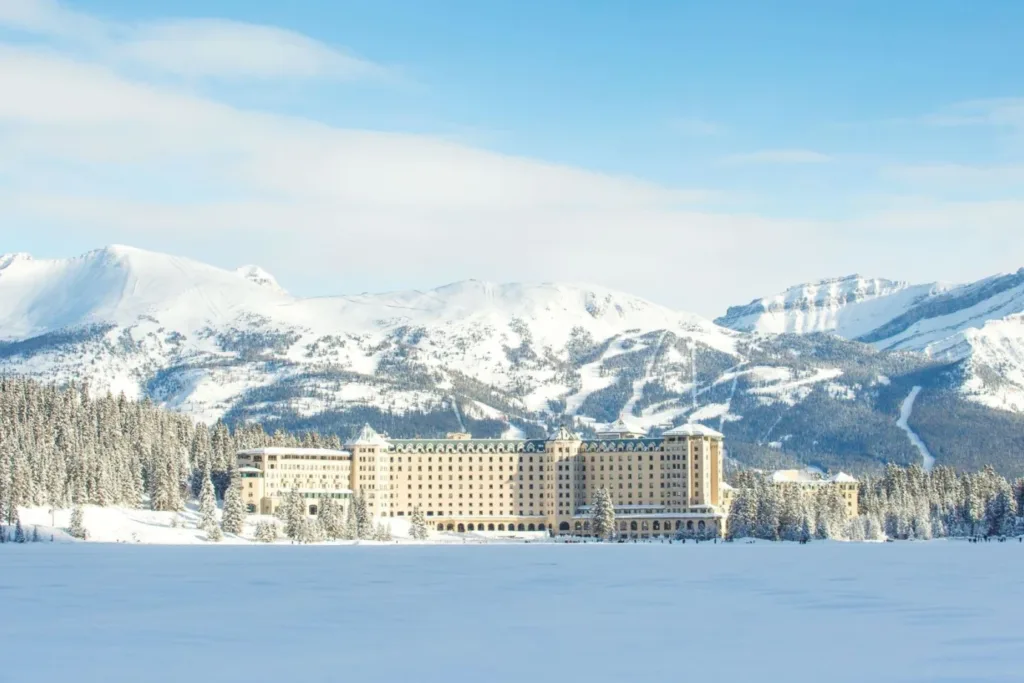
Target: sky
x=696 y=154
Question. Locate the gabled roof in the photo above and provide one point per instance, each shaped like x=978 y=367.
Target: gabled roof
x=694 y=429
x=563 y=434
x=368 y=436
x=620 y=427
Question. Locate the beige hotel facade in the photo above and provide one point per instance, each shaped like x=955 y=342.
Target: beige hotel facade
x=661 y=487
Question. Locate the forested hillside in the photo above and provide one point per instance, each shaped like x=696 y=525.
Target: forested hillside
x=59 y=447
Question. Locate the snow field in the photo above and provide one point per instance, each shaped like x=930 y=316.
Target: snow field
x=126 y=525
x=841 y=612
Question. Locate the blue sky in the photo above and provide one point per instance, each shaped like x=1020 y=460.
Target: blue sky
x=609 y=142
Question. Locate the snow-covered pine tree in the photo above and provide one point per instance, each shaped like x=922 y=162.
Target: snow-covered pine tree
x=1002 y=514
x=266 y=532
x=364 y=522
x=309 y=530
x=77 y=528
x=418 y=525
x=233 y=516
x=214 y=534
x=382 y=532
x=603 y=514
x=207 y=503
x=331 y=523
x=294 y=515
x=19 y=532
x=1018 y=495
x=766 y=520
x=792 y=513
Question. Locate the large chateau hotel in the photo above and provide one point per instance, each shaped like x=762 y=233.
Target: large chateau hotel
x=660 y=486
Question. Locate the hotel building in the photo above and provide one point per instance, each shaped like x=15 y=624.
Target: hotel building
x=662 y=486
x=811 y=480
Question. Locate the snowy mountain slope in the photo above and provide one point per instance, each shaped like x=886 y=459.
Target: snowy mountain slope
x=850 y=307
x=976 y=323
x=190 y=334
x=498 y=359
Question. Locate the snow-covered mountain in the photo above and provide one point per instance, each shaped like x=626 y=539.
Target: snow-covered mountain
x=847 y=306
x=977 y=323
x=516 y=358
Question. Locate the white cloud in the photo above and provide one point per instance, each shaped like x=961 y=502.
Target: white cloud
x=47 y=17
x=1003 y=111
x=92 y=157
x=203 y=47
x=191 y=47
x=777 y=156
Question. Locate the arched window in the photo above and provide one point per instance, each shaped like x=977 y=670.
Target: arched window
x=470 y=527
x=522 y=527
x=643 y=525
x=531 y=528
x=656 y=526
x=632 y=526
x=501 y=527
x=689 y=525
x=541 y=527
x=564 y=526
x=440 y=527
x=701 y=525
x=678 y=524
x=250 y=508
x=451 y=527
x=586 y=526
x=462 y=528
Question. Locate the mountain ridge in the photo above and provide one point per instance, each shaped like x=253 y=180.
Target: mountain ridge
x=498 y=359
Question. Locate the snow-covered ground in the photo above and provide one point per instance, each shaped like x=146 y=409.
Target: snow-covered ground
x=838 y=612
x=927 y=459
x=126 y=525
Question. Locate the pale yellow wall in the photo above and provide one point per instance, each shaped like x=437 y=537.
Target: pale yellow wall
x=497 y=482
x=315 y=474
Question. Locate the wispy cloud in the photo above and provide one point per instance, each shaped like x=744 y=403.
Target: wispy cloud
x=777 y=156
x=1004 y=111
x=191 y=47
x=959 y=176
x=696 y=127
x=99 y=153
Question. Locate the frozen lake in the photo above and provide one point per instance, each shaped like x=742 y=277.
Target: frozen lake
x=937 y=612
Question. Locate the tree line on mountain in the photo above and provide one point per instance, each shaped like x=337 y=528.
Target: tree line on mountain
x=902 y=503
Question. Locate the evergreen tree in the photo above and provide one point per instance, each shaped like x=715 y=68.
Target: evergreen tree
x=364 y=522
x=214 y=534
x=331 y=523
x=418 y=525
x=382 y=532
x=294 y=515
x=233 y=516
x=603 y=514
x=207 y=503
x=19 y=532
x=266 y=532
x=77 y=528
x=351 y=525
